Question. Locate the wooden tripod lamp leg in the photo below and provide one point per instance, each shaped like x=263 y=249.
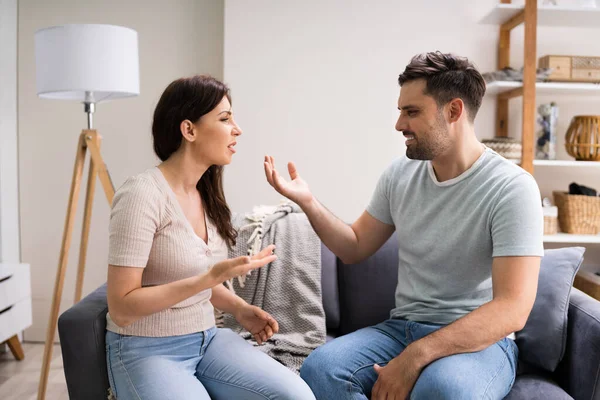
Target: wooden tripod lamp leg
x=62 y=264
x=87 y=215
x=94 y=147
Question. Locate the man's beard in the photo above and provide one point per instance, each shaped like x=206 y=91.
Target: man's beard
x=429 y=145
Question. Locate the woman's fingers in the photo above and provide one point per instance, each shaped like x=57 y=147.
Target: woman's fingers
x=269 y=331
x=267 y=251
x=255 y=264
x=257 y=338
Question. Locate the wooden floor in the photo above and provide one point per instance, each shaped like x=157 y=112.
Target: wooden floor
x=19 y=379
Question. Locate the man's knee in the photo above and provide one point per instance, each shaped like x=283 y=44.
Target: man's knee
x=442 y=386
x=315 y=365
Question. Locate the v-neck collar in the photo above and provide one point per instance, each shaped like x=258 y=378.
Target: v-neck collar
x=179 y=209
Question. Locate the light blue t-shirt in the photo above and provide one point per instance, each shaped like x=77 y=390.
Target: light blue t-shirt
x=449 y=232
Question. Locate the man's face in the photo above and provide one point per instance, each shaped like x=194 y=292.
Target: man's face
x=422 y=122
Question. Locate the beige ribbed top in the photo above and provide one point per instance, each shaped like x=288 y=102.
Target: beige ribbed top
x=149 y=230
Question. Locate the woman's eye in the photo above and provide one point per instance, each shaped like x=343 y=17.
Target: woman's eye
x=225 y=119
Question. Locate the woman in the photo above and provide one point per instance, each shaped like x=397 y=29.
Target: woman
x=169 y=231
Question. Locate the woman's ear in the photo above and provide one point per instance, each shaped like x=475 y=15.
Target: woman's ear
x=188 y=130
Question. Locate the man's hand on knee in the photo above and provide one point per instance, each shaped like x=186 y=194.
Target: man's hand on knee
x=397 y=378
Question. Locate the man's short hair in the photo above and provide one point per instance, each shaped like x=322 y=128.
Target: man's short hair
x=447 y=77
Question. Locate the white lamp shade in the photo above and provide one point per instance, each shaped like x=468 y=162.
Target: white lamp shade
x=87 y=62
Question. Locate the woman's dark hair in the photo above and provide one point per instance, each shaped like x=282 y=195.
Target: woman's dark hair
x=191 y=98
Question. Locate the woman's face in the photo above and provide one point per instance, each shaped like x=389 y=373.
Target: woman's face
x=215 y=135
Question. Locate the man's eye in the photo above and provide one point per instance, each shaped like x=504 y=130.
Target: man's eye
x=412 y=113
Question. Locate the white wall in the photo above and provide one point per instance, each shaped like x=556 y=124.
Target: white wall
x=316 y=82
x=176 y=38
x=9 y=185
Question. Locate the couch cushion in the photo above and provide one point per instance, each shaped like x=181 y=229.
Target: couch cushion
x=329 y=287
x=579 y=371
x=367 y=289
x=536 y=387
x=82 y=329
x=543 y=339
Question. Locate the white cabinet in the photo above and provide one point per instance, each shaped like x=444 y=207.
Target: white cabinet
x=15 y=280
x=15 y=299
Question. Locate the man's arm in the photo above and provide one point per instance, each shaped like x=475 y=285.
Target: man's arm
x=514 y=282
x=351 y=244
x=515 y=286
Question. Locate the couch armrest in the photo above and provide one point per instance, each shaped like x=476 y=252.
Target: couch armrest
x=82 y=330
x=579 y=371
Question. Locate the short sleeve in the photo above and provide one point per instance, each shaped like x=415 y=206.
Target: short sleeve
x=134 y=220
x=379 y=206
x=517 y=221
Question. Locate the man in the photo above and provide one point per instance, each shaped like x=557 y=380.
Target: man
x=469 y=226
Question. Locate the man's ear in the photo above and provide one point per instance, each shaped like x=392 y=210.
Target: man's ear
x=456 y=108
x=188 y=130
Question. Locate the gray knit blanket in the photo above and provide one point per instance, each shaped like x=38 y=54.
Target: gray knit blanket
x=289 y=288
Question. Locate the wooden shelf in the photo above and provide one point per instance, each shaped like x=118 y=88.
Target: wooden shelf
x=579 y=17
x=546 y=88
x=569 y=238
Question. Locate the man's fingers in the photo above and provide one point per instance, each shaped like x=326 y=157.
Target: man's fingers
x=292 y=170
x=263 y=336
x=268 y=173
x=375 y=391
x=278 y=181
x=377 y=368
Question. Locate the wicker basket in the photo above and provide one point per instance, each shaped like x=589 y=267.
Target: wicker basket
x=505 y=146
x=578 y=213
x=550 y=225
x=582 y=140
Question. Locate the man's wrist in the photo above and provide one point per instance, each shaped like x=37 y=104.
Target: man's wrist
x=310 y=207
x=420 y=353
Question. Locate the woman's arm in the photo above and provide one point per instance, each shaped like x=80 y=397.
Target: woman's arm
x=128 y=301
x=225 y=300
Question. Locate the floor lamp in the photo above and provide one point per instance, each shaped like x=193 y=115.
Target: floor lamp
x=88 y=63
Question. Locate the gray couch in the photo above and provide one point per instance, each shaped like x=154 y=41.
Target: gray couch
x=354 y=296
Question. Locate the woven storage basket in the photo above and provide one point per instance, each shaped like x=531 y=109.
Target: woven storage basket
x=582 y=140
x=505 y=146
x=550 y=225
x=578 y=213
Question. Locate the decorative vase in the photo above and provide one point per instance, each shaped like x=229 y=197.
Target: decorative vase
x=582 y=140
x=546 y=136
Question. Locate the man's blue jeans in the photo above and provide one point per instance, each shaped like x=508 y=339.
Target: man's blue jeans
x=343 y=368
x=214 y=364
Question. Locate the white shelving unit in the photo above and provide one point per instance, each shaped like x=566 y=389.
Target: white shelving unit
x=509 y=16
x=570 y=238
x=546 y=88
x=566 y=163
